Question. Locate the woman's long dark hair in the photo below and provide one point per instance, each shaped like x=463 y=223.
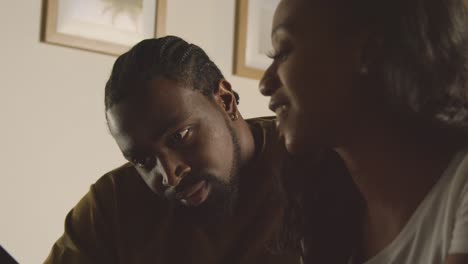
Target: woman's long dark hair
x=423 y=62
x=323 y=208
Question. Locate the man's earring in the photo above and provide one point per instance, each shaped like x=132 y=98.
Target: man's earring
x=234 y=116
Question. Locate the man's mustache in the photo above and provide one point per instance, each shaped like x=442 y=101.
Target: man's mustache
x=189 y=180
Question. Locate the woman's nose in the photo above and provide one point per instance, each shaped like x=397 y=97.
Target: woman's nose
x=269 y=82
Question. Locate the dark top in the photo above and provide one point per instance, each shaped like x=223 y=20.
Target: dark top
x=121 y=221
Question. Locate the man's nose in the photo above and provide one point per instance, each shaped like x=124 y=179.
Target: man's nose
x=269 y=82
x=172 y=169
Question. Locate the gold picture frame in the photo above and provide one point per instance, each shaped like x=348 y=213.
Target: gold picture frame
x=51 y=34
x=252 y=36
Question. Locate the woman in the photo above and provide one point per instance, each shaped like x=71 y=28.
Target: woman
x=384 y=84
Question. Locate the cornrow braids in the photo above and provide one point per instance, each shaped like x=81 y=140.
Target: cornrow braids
x=168 y=57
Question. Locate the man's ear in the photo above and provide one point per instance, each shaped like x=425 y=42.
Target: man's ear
x=225 y=97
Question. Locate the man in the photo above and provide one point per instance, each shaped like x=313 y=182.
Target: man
x=202 y=184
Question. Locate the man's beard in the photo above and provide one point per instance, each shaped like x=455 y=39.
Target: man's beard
x=222 y=199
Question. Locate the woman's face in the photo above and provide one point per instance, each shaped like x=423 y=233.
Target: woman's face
x=312 y=80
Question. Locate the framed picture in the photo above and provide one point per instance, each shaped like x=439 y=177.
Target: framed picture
x=105 y=26
x=253 y=29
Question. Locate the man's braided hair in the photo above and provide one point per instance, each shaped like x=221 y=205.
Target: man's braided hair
x=168 y=57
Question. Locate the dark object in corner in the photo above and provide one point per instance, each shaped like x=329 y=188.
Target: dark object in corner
x=6 y=258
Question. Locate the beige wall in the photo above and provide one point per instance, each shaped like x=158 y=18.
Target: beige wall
x=53 y=137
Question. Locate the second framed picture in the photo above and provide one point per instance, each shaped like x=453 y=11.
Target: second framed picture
x=104 y=26
x=253 y=29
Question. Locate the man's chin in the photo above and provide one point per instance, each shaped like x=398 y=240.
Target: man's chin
x=213 y=209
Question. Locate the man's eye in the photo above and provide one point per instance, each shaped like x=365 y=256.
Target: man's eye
x=180 y=135
x=144 y=163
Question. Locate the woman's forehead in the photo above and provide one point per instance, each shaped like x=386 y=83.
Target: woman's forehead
x=291 y=14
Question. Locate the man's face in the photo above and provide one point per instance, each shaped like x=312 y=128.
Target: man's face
x=181 y=143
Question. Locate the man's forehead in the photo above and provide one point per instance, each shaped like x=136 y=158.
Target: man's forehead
x=163 y=105
x=133 y=119
x=133 y=134
x=161 y=98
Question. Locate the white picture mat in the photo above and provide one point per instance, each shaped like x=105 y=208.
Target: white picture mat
x=98 y=19
x=259 y=26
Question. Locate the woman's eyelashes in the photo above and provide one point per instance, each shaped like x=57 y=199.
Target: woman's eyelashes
x=276 y=56
x=279 y=55
x=281 y=49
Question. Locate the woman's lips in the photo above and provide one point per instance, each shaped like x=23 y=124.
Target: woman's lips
x=281 y=113
x=195 y=195
x=280 y=105
x=281 y=109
